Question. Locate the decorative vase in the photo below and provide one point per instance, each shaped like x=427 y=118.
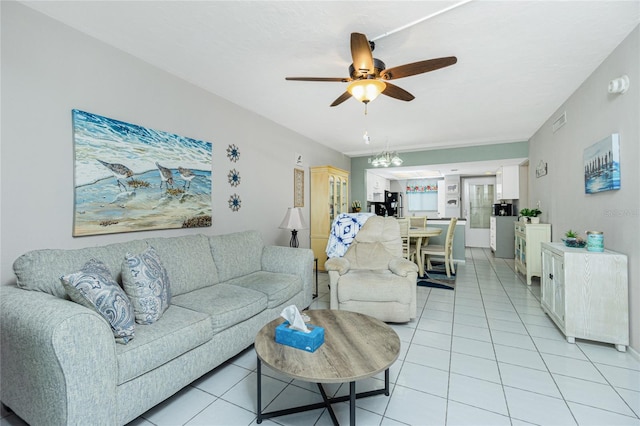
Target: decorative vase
x=356 y=209
x=535 y=219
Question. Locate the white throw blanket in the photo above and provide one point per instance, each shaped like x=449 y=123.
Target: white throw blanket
x=343 y=231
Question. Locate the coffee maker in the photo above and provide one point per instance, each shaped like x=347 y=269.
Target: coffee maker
x=503 y=209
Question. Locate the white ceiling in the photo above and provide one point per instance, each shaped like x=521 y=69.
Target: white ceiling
x=517 y=60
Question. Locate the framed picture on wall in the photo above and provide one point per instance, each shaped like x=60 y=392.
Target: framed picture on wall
x=131 y=178
x=452 y=202
x=452 y=188
x=298 y=188
x=602 y=165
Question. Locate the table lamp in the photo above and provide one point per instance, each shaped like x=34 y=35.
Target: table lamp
x=293 y=220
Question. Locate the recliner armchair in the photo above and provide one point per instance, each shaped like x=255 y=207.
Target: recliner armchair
x=372 y=277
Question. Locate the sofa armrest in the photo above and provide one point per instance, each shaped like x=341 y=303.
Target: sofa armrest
x=401 y=266
x=57 y=360
x=288 y=260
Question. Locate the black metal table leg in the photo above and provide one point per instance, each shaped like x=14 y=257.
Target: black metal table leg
x=326 y=403
x=259 y=372
x=352 y=403
x=386 y=382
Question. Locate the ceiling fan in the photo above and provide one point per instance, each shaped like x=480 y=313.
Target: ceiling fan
x=368 y=76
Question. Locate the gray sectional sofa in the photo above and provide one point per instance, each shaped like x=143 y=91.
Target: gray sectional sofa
x=60 y=363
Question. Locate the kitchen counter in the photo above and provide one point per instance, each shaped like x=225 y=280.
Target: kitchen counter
x=445 y=221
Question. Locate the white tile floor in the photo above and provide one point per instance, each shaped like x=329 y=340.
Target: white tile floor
x=484 y=354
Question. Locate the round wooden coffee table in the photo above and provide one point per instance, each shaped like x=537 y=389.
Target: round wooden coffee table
x=355 y=347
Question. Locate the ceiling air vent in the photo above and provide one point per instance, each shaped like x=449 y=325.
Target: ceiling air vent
x=560 y=121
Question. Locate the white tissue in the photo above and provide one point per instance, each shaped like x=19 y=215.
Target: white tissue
x=292 y=314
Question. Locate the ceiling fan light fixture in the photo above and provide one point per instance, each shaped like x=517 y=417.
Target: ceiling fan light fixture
x=366 y=90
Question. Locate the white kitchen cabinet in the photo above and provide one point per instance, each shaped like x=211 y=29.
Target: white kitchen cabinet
x=376 y=185
x=508 y=183
x=528 y=238
x=586 y=293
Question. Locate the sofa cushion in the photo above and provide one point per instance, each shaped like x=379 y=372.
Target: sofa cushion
x=178 y=331
x=41 y=270
x=278 y=287
x=188 y=262
x=93 y=287
x=146 y=283
x=226 y=304
x=237 y=254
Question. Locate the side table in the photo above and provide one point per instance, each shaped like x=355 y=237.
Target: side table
x=316 y=268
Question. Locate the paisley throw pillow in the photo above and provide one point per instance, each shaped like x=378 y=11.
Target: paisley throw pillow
x=146 y=283
x=94 y=287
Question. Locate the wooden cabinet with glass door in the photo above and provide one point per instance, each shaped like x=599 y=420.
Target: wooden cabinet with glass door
x=329 y=197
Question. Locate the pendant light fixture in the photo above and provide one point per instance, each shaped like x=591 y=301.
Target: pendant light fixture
x=386 y=158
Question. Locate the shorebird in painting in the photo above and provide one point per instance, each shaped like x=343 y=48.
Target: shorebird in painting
x=187 y=175
x=166 y=175
x=119 y=171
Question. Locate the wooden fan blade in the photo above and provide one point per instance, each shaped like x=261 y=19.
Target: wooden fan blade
x=397 y=92
x=361 y=54
x=417 y=68
x=339 y=79
x=341 y=99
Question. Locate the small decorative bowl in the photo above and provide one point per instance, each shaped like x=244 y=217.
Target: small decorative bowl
x=572 y=242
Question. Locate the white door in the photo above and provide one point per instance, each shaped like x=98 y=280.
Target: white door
x=479 y=196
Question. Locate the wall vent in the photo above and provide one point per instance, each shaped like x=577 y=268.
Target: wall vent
x=560 y=121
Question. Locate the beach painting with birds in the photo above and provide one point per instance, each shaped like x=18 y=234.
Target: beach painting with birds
x=131 y=178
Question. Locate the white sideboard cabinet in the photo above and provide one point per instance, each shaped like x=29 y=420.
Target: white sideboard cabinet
x=586 y=293
x=528 y=238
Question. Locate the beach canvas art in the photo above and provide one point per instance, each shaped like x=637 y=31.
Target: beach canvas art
x=602 y=165
x=132 y=178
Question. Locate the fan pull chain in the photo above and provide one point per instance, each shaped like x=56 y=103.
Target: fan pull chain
x=365 y=108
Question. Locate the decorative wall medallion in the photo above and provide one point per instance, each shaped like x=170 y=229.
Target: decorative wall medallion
x=235 y=203
x=233 y=177
x=233 y=153
x=541 y=169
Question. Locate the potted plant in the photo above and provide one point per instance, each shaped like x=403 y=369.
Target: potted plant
x=356 y=206
x=530 y=215
x=571 y=239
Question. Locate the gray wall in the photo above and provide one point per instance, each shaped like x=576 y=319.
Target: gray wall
x=592 y=115
x=48 y=69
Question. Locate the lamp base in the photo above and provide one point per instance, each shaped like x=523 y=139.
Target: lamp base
x=294 y=239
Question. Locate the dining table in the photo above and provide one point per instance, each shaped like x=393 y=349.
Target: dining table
x=422 y=235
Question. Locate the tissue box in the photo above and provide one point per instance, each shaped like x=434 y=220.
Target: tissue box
x=299 y=339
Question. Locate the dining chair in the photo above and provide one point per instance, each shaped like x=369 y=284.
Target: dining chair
x=408 y=249
x=438 y=250
x=418 y=221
